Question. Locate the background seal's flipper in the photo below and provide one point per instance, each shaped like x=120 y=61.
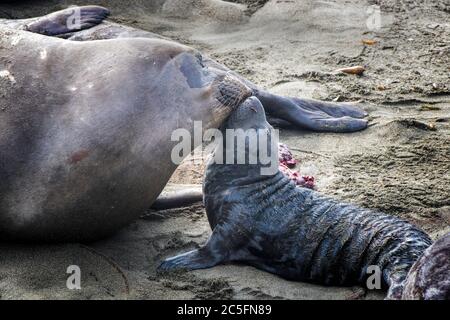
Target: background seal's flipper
x=68 y=20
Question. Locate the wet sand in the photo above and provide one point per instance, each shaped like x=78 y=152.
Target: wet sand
x=399 y=165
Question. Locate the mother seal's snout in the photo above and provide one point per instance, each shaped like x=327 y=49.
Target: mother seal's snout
x=232 y=91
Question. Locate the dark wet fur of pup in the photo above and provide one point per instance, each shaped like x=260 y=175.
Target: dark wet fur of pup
x=297 y=233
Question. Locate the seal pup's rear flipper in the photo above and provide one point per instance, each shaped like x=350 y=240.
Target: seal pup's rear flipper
x=67 y=21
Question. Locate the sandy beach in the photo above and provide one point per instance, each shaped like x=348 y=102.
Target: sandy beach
x=399 y=165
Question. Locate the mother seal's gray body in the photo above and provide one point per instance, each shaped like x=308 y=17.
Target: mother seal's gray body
x=268 y=222
x=85 y=129
x=302 y=113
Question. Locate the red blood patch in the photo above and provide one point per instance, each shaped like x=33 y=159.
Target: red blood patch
x=78 y=156
x=286 y=162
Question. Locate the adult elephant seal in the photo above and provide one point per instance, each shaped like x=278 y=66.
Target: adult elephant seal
x=292 y=111
x=299 y=234
x=85 y=129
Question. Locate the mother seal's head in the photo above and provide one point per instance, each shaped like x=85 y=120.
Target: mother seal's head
x=216 y=90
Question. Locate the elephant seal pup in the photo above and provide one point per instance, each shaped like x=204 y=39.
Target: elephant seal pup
x=85 y=129
x=429 y=277
x=267 y=222
x=301 y=113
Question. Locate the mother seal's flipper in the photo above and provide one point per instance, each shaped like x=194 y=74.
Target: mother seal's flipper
x=332 y=109
x=302 y=113
x=64 y=22
x=312 y=114
x=178 y=198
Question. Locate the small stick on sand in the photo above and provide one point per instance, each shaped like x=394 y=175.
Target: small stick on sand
x=368 y=42
x=358 y=70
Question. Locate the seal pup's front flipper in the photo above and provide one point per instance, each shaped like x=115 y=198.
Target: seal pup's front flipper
x=214 y=252
x=66 y=21
x=192 y=260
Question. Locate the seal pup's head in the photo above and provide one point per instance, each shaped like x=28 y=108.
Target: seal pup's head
x=249 y=114
x=250 y=144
